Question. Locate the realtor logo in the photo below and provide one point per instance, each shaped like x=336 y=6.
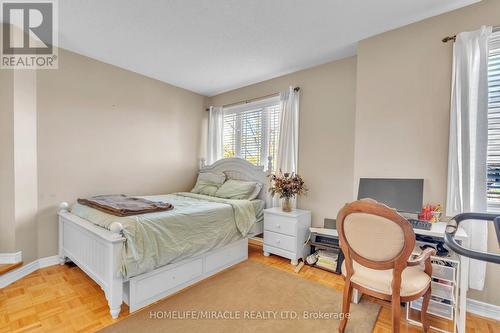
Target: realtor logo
x=29 y=35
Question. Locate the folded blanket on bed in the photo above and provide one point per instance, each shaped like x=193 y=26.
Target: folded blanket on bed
x=121 y=205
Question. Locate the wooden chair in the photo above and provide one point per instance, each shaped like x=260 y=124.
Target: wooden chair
x=377 y=243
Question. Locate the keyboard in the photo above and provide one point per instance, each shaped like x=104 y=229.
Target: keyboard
x=418 y=224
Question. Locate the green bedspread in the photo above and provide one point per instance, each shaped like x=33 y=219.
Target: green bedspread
x=197 y=224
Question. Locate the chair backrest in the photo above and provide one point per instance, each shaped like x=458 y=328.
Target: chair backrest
x=374 y=235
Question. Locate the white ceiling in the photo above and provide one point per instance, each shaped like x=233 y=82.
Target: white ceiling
x=212 y=46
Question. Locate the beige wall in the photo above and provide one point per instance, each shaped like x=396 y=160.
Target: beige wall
x=87 y=128
x=102 y=129
x=491 y=292
x=403 y=98
x=25 y=163
x=7 y=229
x=326 y=133
x=18 y=171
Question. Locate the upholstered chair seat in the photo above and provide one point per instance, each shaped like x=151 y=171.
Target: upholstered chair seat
x=413 y=279
x=377 y=244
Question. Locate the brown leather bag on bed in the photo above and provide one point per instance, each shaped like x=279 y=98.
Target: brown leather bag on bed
x=122 y=205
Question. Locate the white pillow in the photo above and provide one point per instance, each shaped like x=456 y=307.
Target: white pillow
x=208 y=183
x=255 y=193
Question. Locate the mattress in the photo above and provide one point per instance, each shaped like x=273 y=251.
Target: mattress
x=196 y=225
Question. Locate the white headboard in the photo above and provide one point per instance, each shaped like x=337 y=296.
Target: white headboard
x=238 y=168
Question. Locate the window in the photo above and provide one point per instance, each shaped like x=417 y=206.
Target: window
x=251 y=131
x=493 y=162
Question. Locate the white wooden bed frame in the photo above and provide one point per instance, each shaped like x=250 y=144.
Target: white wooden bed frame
x=97 y=251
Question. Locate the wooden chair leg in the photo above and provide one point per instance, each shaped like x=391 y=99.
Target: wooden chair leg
x=424 y=318
x=346 y=303
x=396 y=312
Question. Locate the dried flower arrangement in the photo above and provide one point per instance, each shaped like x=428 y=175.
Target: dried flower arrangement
x=286 y=186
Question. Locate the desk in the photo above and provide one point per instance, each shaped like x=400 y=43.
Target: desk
x=437 y=231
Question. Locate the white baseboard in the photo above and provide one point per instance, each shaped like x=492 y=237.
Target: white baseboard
x=483 y=309
x=49 y=261
x=24 y=270
x=11 y=258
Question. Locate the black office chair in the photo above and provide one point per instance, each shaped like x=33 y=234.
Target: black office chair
x=452 y=227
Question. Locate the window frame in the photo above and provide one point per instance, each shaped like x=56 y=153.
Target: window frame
x=263 y=104
x=494 y=49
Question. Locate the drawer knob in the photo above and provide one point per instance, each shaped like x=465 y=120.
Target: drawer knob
x=278 y=226
x=278 y=241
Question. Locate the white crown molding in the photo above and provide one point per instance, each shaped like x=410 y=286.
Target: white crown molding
x=11 y=258
x=24 y=270
x=483 y=309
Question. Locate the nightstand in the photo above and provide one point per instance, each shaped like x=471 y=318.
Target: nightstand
x=285 y=233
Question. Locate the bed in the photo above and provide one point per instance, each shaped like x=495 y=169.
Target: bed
x=136 y=272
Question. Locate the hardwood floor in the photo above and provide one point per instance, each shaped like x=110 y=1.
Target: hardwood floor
x=64 y=299
x=4 y=268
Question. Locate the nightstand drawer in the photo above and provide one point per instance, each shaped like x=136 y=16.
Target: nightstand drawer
x=281 y=224
x=280 y=241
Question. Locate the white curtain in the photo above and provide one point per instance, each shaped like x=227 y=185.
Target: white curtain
x=469 y=140
x=215 y=134
x=288 y=143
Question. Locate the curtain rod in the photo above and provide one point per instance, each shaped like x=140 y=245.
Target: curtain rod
x=253 y=99
x=454 y=37
x=448 y=38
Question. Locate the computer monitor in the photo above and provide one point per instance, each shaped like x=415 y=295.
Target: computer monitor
x=405 y=195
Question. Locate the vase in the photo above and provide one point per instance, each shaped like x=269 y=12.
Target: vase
x=286 y=205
